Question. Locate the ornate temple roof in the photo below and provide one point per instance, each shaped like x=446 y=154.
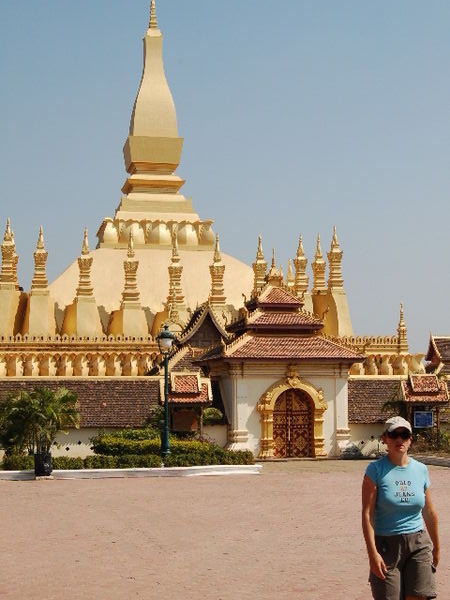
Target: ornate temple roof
x=282 y=347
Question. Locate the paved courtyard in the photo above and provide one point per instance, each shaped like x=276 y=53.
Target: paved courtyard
x=291 y=533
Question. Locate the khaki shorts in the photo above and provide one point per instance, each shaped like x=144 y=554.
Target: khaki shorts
x=408 y=559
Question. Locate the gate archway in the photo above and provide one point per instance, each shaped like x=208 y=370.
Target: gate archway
x=293 y=425
x=307 y=394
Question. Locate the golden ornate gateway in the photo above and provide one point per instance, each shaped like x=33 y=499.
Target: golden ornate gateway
x=267 y=406
x=292 y=425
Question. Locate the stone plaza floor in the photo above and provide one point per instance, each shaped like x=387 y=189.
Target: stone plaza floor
x=292 y=532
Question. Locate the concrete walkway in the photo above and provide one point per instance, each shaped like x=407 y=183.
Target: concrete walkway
x=291 y=533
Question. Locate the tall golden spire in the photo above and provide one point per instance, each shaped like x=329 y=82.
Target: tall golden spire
x=153 y=23
x=151 y=198
x=84 y=264
x=39 y=281
x=217 y=269
x=259 y=269
x=318 y=267
x=8 y=274
x=402 y=332
x=335 y=280
x=301 y=278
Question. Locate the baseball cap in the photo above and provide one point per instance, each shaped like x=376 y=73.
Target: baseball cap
x=396 y=422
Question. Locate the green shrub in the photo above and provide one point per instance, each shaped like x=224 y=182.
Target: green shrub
x=112 y=445
x=217 y=456
x=144 y=433
x=67 y=462
x=100 y=462
x=18 y=462
x=212 y=416
x=133 y=461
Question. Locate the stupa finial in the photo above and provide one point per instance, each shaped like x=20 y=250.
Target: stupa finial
x=153 y=23
x=217 y=255
x=334 y=241
x=40 y=241
x=318 y=248
x=300 y=249
x=8 y=237
x=85 y=246
x=259 y=251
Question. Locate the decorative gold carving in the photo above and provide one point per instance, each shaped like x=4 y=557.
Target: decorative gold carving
x=39 y=281
x=266 y=406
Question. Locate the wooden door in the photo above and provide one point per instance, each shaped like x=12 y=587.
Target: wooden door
x=293 y=425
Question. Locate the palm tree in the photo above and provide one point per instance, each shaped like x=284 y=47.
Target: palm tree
x=31 y=420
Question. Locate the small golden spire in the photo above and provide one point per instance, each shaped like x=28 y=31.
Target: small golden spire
x=217 y=255
x=39 y=280
x=217 y=269
x=335 y=279
x=259 y=251
x=402 y=332
x=334 y=241
x=301 y=278
x=40 y=242
x=8 y=237
x=153 y=23
x=259 y=270
x=300 y=249
x=318 y=267
x=318 y=248
x=130 y=251
x=273 y=265
x=85 y=247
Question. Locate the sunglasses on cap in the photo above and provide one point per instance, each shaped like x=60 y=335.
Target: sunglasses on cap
x=404 y=434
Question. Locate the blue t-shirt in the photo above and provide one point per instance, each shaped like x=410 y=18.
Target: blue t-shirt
x=400 y=495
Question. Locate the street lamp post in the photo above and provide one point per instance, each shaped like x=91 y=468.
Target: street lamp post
x=165 y=341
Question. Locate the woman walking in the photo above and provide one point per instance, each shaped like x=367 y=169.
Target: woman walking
x=396 y=501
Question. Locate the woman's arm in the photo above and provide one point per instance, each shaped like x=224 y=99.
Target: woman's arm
x=431 y=521
x=369 y=497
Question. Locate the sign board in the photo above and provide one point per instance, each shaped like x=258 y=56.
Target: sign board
x=423 y=418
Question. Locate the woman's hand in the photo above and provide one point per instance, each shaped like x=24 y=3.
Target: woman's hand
x=436 y=556
x=378 y=566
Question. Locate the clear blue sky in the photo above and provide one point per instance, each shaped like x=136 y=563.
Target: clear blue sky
x=297 y=115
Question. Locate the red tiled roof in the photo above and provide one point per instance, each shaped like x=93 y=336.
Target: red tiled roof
x=103 y=402
x=191 y=398
x=285 y=319
x=278 y=296
x=424 y=394
x=184 y=359
x=366 y=398
x=443 y=347
x=289 y=347
x=185 y=384
x=424 y=383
